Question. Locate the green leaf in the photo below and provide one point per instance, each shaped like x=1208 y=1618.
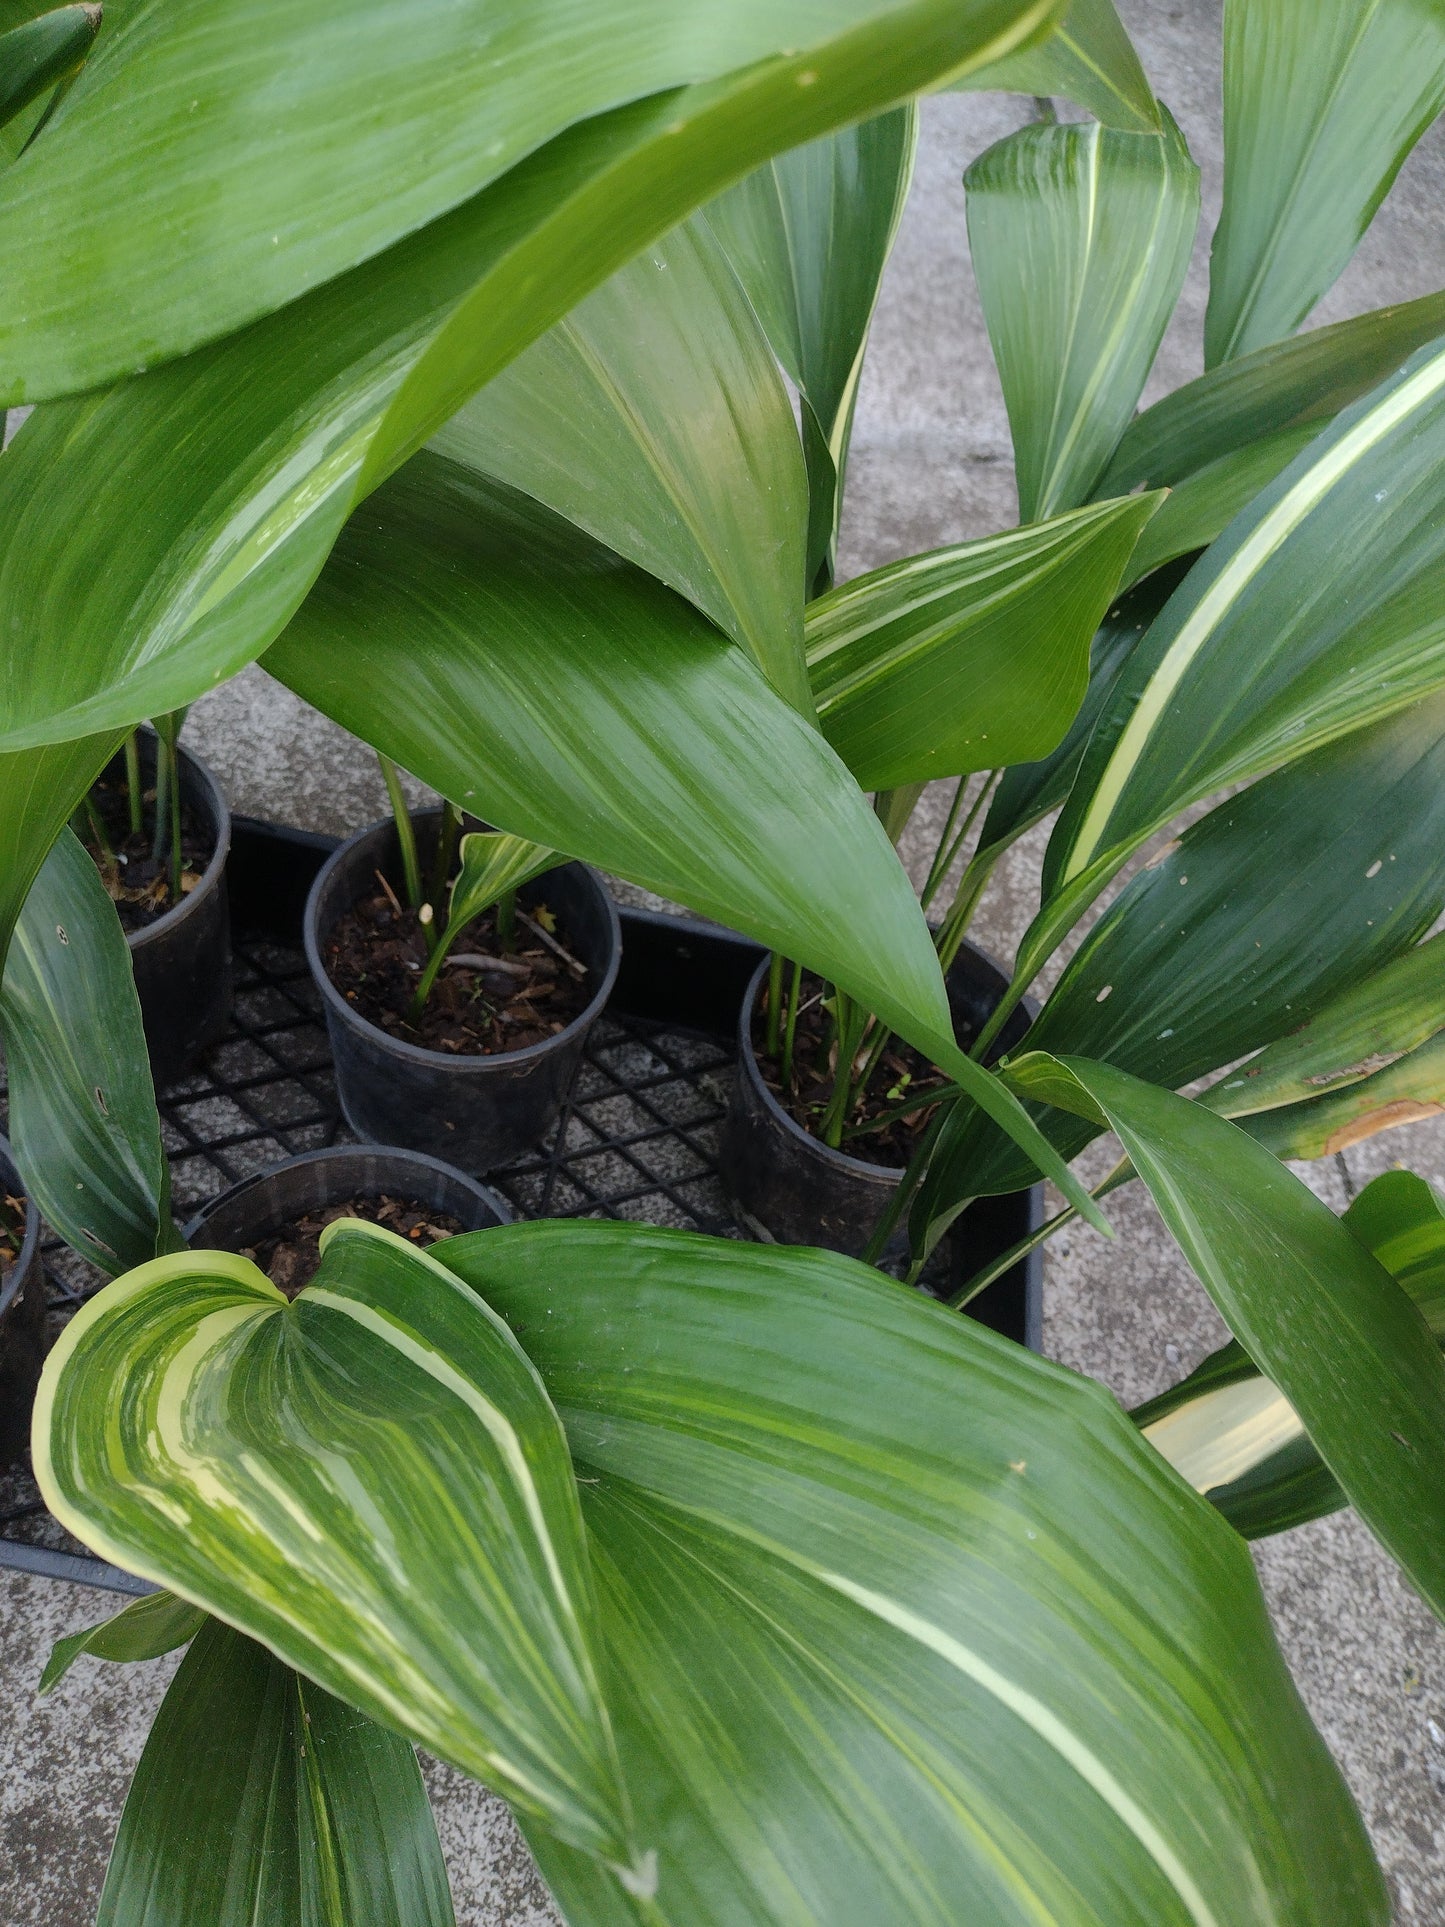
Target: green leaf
x=970 y=657
x=810 y=234
x=143 y=564
x=1365 y=1029
x=956 y=1655
x=1080 y=237
x=1405 y=1092
x=1089 y=59
x=1315 y=613
x=529 y=675
x=39 y=790
x=259 y=1797
x=1318 y=1314
x=1321 y=106
x=654 y=417
x=1236 y=1438
x=35 y=55
x=1267 y=910
x=1205 y=503
x=491 y=864
x=1028 y=791
x=372 y=1482
x=1307 y=379
x=83 y=1121
x=145 y=1629
x=177 y=197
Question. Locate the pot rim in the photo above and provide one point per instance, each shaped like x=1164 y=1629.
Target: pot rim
x=883 y=1175
x=466 y=1062
x=205 y=780
x=30 y=1243
x=336 y=1154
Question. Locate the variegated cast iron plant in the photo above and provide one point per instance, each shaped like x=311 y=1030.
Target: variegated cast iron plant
x=429 y=353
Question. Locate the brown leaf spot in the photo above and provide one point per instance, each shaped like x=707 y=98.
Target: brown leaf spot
x=1404 y=1110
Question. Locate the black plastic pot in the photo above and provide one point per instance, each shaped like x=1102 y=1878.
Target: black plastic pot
x=265 y=1203
x=479 y=1112
x=790 y=1188
x=22 y=1324
x=182 y=961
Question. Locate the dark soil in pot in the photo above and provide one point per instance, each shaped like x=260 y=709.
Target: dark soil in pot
x=441 y=1090
x=277 y=1217
x=22 y=1310
x=788 y=1185
x=489 y=998
x=180 y=951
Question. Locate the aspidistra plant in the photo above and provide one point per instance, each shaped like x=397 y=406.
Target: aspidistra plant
x=748 y=1636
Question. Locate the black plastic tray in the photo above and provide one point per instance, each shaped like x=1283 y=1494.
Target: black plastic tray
x=637 y=1140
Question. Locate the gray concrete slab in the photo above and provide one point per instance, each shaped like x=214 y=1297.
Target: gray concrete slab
x=931 y=465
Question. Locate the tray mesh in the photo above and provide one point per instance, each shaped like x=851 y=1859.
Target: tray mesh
x=637 y=1139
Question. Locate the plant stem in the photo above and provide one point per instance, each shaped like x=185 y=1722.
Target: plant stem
x=949 y=844
x=894 y=807
x=794 y=998
x=164 y=763
x=448 y=831
x=132 y=783
x=417 y=1003
x=772 y=1040
x=903 y=1197
x=405 y=835
x=175 y=802
x=96 y=826
x=851 y=1021
x=507 y=920
x=981 y=1280
x=954 y=928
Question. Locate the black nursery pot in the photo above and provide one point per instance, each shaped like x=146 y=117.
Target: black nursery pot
x=477 y=1111
x=22 y=1324
x=182 y=961
x=261 y=1205
x=789 y=1187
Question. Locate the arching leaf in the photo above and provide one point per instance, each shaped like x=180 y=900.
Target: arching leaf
x=1321 y=106
x=154 y=1624
x=972 y=657
x=83 y=1121
x=1080 y=236
x=40 y=52
x=809 y=234
x=1089 y=59
x=654 y=417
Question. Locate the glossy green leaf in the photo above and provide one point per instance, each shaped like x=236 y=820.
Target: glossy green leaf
x=372 y=1482
x=1312 y=1307
x=39 y=790
x=654 y=417
x=1080 y=236
x=1321 y=105
x=178 y=195
x=1376 y=1021
x=1089 y=59
x=42 y=51
x=1028 y=791
x=1236 y=1438
x=1315 y=613
x=809 y=234
x=83 y=1121
x=143 y=564
x=538 y=681
x=1205 y=503
x=1405 y=1092
x=1307 y=379
x=260 y=1798
x=970 y=657
x=145 y=1629
x=491 y=864
x=959 y=1655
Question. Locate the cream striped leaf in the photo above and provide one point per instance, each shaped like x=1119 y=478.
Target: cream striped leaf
x=372 y=1483
x=1320 y=609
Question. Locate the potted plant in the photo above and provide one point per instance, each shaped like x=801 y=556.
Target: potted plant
x=157 y=825
x=457 y=1029
x=760 y=1588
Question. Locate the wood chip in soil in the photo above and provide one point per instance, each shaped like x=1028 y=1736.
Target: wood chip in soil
x=290 y=1256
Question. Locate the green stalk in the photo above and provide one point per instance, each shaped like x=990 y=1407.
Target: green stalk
x=950 y=845
x=97 y=830
x=507 y=919
x=902 y=1197
x=428 y=976
x=954 y=928
x=850 y=1034
x=789 y=1033
x=448 y=832
x=405 y=835
x=132 y=782
x=164 y=762
x=981 y=1280
x=175 y=802
x=772 y=1040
